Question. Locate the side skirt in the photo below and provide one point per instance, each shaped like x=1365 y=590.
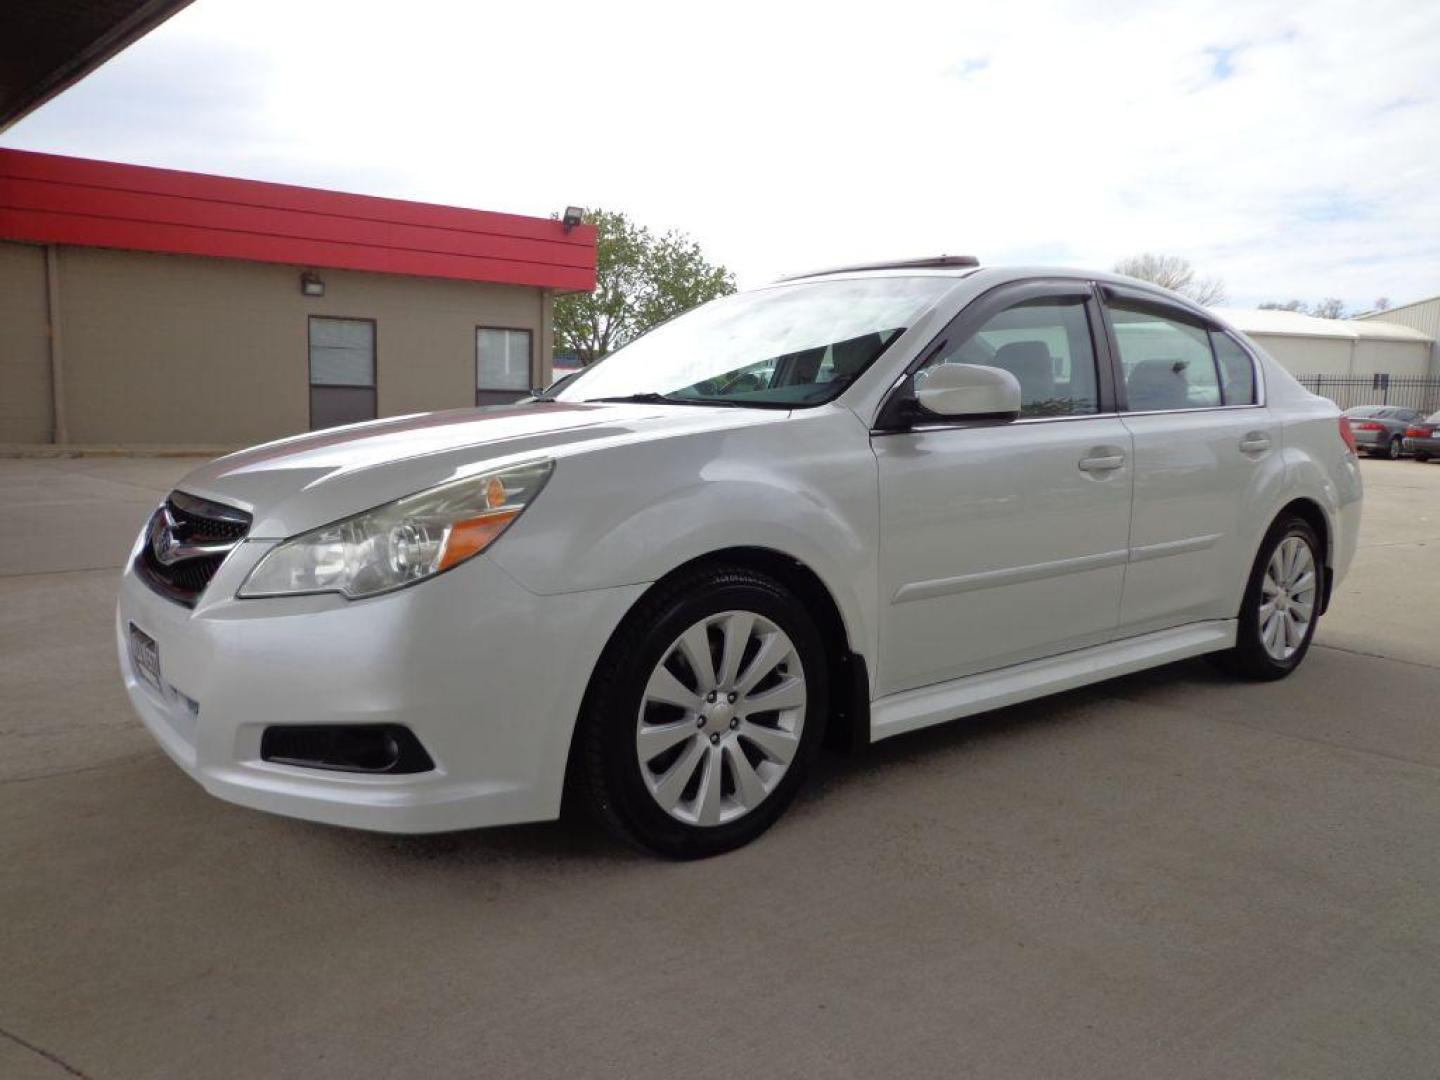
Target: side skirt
x=912 y=709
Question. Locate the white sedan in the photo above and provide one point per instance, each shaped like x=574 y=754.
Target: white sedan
x=860 y=501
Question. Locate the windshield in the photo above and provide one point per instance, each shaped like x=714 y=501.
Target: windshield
x=788 y=346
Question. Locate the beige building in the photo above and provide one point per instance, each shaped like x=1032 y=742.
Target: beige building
x=142 y=306
x=1307 y=345
x=1422 y=316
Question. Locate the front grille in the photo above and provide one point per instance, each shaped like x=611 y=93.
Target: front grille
x=206 y=529
x=185 y=543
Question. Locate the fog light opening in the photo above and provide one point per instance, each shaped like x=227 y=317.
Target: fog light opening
x=387 y=749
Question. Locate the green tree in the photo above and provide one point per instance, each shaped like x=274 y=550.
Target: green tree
x=641 y=280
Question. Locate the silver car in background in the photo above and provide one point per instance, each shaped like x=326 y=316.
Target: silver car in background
x=1422 y=438
x=1380 y=429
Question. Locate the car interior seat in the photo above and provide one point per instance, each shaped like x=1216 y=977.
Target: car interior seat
x=1157 y=384
x=1031 y=364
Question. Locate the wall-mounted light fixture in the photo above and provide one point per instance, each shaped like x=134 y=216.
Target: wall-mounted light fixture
x=573 y=216
x=311 y=285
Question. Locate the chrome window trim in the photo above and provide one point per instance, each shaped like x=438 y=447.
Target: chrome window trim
x=1068 y=416
x=967 y=425
x=1198 y=408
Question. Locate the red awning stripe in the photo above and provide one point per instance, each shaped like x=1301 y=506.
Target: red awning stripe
x=49 y=199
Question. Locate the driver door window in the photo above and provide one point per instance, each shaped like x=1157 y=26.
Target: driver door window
x=1046 y=344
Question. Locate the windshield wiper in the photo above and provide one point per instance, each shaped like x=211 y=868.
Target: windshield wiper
x=651 y=397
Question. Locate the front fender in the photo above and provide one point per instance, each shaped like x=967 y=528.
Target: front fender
x=804 y=485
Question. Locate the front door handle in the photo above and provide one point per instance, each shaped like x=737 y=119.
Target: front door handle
x=1254 y=442
x=1102 y=463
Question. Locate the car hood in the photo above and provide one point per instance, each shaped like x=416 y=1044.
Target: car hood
x=305 y=481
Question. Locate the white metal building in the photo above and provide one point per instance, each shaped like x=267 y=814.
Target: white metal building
x=1307 y=345
x=1421 y=315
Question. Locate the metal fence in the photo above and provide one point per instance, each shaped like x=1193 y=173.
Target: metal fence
x=1408 y=391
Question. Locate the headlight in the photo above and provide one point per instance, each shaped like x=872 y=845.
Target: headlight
x=401 y=542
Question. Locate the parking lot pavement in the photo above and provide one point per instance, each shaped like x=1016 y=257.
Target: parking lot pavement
x=63 y=514
x=1169 y=875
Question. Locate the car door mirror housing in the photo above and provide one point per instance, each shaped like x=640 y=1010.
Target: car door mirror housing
x=967 y=392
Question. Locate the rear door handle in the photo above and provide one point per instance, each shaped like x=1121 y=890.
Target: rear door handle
x=1254 y=442
x=1102 y=463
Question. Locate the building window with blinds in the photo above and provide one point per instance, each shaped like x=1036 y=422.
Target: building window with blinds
x=502 y=365
x=342 y=371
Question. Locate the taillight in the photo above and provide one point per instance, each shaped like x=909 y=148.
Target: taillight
x=1347 y=434
x=1367 y=427
x=1418 y=433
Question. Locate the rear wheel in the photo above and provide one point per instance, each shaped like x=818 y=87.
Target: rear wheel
x=1282 y=603
x=704 y=714
x=1421 y=457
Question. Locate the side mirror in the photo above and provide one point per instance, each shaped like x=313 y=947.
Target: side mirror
x=968 y=392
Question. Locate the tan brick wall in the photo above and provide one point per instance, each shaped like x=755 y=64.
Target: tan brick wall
x=24 y=346
x=179 y=349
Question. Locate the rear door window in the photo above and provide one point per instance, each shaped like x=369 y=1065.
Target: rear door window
x=1168 y=363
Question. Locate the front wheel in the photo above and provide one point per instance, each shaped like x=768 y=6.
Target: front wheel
x=1397 y=448
x=704 y=713
x=1282 y=603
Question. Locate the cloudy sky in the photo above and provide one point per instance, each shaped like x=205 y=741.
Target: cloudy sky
x=1292 y=150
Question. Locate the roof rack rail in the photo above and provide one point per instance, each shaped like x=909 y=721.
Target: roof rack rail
x=931 y=262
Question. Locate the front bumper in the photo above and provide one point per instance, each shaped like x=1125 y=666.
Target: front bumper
x=488 y=675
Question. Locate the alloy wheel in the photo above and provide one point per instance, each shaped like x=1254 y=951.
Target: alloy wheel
x=1287 y=598
x=721 y=718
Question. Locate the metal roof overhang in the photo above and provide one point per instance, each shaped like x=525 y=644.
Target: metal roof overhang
x=48 y=45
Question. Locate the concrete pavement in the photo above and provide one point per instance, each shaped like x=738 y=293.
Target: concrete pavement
x=1169 y=875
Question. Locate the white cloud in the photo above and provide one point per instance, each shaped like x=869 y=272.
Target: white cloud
x=1287 y=149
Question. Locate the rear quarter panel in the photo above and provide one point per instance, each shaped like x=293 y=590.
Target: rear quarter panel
x=1318 y=466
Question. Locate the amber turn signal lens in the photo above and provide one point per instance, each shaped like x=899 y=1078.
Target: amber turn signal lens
x=471 y=537
x=495 y=495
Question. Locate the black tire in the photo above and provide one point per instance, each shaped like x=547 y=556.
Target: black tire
x=1397 y=448
x=1249 y=658
x=1422 y=458
x=608 y=772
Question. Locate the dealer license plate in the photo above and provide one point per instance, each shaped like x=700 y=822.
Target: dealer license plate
x=145 y=656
